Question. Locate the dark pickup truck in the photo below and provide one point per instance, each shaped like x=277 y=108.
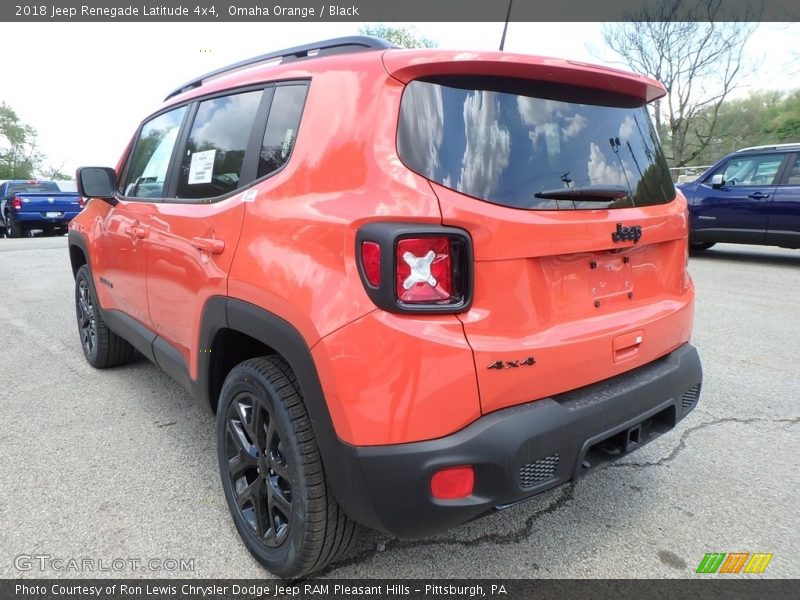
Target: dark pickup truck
x=28 y=205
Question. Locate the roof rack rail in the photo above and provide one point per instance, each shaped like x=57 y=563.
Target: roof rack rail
x=770 y=147
x=342 y=45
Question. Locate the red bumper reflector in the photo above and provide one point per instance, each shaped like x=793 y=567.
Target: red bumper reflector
x=453 y=482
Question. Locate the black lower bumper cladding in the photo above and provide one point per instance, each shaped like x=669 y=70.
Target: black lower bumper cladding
x=519 y=451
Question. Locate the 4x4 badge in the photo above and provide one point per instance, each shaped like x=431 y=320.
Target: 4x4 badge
x=512 y=364
x=626 y=234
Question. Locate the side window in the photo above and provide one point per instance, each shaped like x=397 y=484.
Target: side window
x=147 y=167
x=282 y=125
x=752 y=170
x=214 y=155
x=794 y=173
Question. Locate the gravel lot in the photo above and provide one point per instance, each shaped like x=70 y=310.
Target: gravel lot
x=121 y=463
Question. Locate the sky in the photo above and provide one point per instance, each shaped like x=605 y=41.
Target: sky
x=85 y=87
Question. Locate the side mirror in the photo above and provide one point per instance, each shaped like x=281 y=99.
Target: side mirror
x=717 y=181
x=97 y=182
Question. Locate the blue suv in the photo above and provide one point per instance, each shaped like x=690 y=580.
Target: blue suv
x=749 y=197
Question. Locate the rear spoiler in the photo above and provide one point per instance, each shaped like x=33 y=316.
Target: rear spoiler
x=407 y=65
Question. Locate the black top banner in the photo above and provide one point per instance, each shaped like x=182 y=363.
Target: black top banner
x=399 y=10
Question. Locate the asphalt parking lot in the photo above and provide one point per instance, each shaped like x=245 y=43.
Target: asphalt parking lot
x=122 y=464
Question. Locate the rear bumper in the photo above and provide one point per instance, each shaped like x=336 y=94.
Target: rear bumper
x=37 y=218
x=518 y=451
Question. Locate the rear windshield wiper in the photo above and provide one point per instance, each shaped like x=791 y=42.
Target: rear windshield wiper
x=590 y=193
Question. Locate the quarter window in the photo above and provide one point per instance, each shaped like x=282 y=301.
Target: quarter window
x=282 y=124
x=794 y=173
x=212 y=161
x=149 y=162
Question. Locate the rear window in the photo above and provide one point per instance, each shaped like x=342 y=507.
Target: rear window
x=505 y=141
x=33 y=187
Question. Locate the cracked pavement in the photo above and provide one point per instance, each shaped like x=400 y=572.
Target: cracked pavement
x=122 y=463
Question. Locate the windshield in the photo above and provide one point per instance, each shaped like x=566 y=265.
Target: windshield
x=514 y=143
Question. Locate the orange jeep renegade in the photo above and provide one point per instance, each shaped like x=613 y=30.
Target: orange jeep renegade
x=414 y=286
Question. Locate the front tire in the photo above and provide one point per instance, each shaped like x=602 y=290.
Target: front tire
x=102 y=347
x=272 y=472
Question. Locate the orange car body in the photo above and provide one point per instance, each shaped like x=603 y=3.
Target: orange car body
x=557 y=304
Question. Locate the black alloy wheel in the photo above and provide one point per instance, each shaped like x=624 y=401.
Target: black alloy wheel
x=272 y=472
x=258 y=470
x=87 y=326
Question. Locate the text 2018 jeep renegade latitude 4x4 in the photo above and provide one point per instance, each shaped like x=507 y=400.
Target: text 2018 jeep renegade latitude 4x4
x=413 y=285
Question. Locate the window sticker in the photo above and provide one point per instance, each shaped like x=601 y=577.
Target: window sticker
x=202 y=167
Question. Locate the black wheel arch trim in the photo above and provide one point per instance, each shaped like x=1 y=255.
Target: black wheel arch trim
x=280 y=335
x=287 y=341
x=77 y=240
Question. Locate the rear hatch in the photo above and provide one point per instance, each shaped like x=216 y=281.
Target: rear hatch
x=579 y=240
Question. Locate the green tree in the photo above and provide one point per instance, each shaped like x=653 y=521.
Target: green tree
x=405 y=37
x=761 y=118
x=698 y=61
x=739 y=123
x=785 y=125
x=19 y=157
x=55 y=174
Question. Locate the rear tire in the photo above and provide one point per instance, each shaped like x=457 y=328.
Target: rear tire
x=102 y=347
x=272 y=472
x=14 y=230
x=700 y=246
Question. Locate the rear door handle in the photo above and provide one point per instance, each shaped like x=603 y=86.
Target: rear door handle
x=210 y=245
x=758 y=196
x=136 y=231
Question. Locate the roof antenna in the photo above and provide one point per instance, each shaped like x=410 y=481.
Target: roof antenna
x=505 y=27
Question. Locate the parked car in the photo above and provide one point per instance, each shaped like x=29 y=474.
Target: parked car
x=751 y=196
x=32 y=204
x=413 y=285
